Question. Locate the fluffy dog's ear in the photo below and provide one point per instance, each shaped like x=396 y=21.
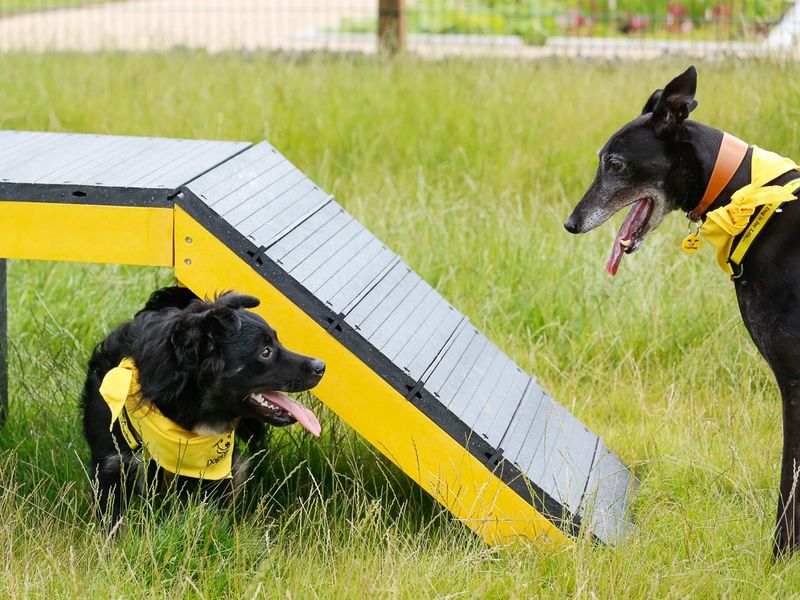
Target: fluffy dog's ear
x=198 y=336
x=237 y=301
x=675 y=102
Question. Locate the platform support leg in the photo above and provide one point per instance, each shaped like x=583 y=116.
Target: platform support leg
x=3 y=343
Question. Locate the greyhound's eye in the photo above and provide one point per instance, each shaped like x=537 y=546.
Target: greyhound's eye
x=615 y=163
x=266 y=352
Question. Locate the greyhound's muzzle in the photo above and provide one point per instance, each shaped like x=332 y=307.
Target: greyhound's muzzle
x=571 y=224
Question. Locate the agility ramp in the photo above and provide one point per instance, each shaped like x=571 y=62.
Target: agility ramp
x=405 y=369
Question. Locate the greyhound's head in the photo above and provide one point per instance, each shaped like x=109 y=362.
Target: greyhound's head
x=644 y=164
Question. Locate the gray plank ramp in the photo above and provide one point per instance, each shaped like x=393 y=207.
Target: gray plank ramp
x=304 y=231
x=107 y=160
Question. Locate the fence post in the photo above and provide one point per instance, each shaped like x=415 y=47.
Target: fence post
x=3 y=343
x=391 y=26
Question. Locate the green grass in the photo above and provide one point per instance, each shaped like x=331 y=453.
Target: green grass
x=467 y=169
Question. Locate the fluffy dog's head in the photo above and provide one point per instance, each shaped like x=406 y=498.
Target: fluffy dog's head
x=211 y=363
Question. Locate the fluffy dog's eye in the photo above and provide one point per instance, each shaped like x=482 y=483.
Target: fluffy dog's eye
x=266 y=352
x=615 y=163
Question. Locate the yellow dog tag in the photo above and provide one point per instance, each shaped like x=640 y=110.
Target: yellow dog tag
x=691 y=243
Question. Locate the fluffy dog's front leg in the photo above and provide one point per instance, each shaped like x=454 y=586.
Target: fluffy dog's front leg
x=112 y=490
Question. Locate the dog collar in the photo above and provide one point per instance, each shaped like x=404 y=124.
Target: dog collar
x=172 y=447
x=731 y=154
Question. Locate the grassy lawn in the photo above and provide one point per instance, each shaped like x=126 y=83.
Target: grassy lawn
x=467 y=169
x=8 y=7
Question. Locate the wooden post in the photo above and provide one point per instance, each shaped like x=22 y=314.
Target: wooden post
x=391 y=26
x=3 y=344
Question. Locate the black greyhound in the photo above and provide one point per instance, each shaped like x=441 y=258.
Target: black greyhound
x=660 y=162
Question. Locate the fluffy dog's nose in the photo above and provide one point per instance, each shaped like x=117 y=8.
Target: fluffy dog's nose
x=317 y=366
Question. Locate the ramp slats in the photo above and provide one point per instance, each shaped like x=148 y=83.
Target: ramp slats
x=440 y=370
x=543 y=435
x=274 y=230
x=231 y=175
x=97 y=159
x=569 y=466
x=54 y=174
x=398 y=298
x=98 y=165
x=194 y=161
x=413 y=307
x=311 y=235
x=140 y=165
x=456 y=363
x=490 y=370
x=415 y=334
x=316 y=252
x=550 y=424
x=343 y=265
x=516 y=435
x=607 y=497
x=268 y=198
x=562 y=454
x=357 y=317
x=340 y=291
x=499 y=410
x=15 y=143
x=255 y=187
x=264 y=224
x=429 y=342
x=23 y=167
x=108 y=161
x=347 y=298
x=346 y=243
x=280 y=247
x=334 y=271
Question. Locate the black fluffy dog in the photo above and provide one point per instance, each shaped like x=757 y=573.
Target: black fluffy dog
x=210 y=368
x=661 y=162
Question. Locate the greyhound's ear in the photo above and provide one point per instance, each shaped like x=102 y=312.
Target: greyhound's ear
x=675 y=102
x=651 y=102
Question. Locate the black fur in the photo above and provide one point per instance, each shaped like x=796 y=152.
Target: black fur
x=197 y=363
x=671 y=157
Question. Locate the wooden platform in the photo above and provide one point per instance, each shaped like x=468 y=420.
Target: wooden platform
x=405 y=368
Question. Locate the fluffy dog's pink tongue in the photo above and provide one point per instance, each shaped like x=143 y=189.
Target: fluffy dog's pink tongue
x=623 y=239
x=305 y=417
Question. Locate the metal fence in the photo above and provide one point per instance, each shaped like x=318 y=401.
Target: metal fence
x=431 y=28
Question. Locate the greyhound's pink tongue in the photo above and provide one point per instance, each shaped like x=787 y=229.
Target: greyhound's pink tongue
x=305 y=417
x=612 y=264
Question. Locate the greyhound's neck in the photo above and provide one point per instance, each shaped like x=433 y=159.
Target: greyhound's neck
x=705 y=142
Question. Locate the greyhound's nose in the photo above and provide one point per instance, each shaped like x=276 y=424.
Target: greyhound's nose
x=571 y=225
x=317 y=366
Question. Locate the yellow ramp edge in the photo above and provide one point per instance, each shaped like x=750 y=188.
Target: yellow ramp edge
x=87 y=233
x=442 y=466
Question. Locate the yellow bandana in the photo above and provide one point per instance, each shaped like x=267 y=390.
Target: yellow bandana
x=172 y=447
x=724 y=224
